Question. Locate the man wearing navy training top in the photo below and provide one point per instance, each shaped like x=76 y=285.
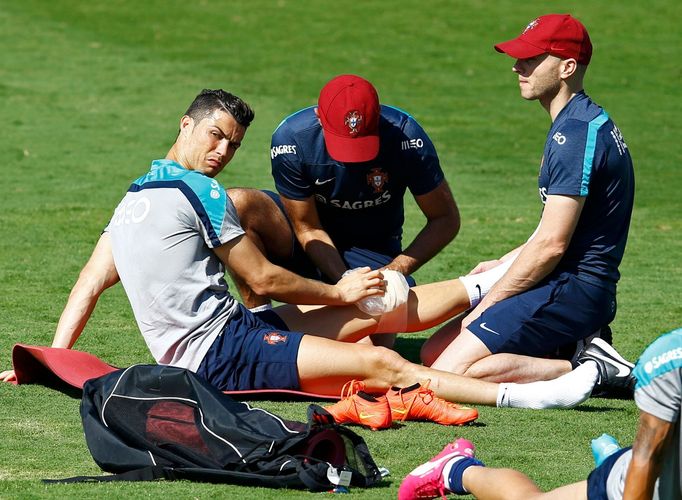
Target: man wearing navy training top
x=561 y=287
x=342 y=169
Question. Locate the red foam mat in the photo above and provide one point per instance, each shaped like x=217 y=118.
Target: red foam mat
x=40 y=364
x=46 y=365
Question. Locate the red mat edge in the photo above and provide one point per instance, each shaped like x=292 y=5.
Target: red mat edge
x=34 y=363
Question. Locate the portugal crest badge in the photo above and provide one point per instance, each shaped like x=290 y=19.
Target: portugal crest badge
x=376 y=178
x=353 y=121
x=273 y=338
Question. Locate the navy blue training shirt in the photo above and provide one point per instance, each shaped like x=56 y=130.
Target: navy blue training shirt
x=585 y=155
x=359 y=204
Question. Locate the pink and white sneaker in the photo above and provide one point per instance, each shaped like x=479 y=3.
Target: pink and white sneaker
x=426 y=481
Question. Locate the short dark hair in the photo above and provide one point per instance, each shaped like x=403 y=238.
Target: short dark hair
x=210 y=100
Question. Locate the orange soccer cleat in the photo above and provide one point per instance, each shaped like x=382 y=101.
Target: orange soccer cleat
x=358 y=407
x=418 y=402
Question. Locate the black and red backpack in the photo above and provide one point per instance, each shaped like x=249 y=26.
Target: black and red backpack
x=150 y=422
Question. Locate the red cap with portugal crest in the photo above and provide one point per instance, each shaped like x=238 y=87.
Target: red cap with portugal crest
x=560 y=35
x=349 y=111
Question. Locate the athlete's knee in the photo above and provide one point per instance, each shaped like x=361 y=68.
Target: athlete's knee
x=239 y=197
x=471 y=370
x=258 y=214
x=398 y=370
x=386 y=365
x=245 y=200
x=458 y=367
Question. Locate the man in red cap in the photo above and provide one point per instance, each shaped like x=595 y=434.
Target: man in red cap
x=561 y=287
x=341 y=169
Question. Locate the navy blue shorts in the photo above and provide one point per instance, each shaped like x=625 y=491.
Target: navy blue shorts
x=556 y=313
x=254 y=351
x=299 y=263
x=596 y=481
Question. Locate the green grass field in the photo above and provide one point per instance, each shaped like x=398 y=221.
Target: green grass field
x=91 y=92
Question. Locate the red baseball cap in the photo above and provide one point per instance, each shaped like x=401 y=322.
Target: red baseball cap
x=560 y=35
x=349 y=110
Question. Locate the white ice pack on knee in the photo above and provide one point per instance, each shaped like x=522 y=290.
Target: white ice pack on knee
x=392 y=306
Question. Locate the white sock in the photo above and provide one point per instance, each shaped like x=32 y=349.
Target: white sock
x=264 y=307
x=567 y=391
x=478 y=285
x=446 y=471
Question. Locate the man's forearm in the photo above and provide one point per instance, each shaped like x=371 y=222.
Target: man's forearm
x=322 y=252
x=244 y=259
x=433 y=237
x=640 y=480
x=535 y=261
x=285 y=286
x=543 y=250
x=654 y=436
x=98 y=274
x=512 y=253
x=75 y=315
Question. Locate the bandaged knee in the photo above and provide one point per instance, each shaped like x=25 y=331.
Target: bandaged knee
x=392 y=306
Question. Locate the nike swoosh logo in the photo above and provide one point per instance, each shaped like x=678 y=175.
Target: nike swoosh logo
x=318 y=182
x=367 y=415
x=622 y=369
x=488 y=329
x=399 y=412
x=478 y=287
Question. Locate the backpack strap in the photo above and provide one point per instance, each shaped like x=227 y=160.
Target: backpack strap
x=150 y=473
x=313 y=476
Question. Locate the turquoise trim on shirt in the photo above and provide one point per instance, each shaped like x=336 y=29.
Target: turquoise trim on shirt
x=661 y=357
x=399 y=110
x=293 y=114
x=590 y=145
x=208 y=191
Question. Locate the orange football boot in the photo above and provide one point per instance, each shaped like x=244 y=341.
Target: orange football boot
x=358 y=407
x=418 y=402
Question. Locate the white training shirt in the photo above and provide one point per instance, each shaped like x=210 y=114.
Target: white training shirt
x=162 y=233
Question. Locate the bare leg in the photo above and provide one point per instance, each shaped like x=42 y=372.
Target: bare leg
x=517 y=368
x=347 y=324
x=427 y=305
x=468 y=355
x=440 y=340
x=574 y=491
x=324 y=366
x=266 y=226
x=509 y=484
x=465 y=350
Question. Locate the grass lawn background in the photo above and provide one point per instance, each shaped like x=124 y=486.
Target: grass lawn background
x=91 y=92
